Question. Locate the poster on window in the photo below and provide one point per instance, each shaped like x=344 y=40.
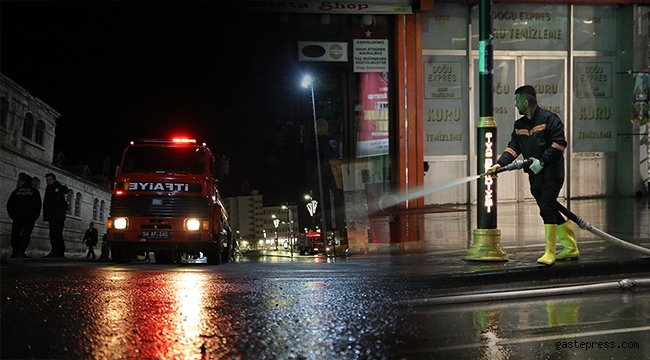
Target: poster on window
x=594 y=118
x=373 y=114
x=445 y=106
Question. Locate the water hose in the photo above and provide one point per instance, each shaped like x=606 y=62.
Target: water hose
x=583 y=224
x=519 y=294
x=515 y=165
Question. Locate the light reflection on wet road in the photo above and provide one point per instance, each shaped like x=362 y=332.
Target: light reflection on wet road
x=309 y=309
x=261 y=311
x=613 y=325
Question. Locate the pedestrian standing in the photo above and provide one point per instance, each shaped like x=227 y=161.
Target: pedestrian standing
x=90 y=238
x=55 y=207
x=539 y=136
x=23 y=207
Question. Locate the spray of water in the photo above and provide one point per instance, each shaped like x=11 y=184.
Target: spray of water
x=390 y=200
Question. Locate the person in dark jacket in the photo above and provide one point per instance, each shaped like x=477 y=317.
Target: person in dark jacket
x=55 y=207
x=23 y=207
x=539 y=136
x=90 y=238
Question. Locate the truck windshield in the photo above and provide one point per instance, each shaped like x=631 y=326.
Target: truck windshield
x=155 y=159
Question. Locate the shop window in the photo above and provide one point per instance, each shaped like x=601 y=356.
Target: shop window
x=96 y=209
x=4 y=110
x=77 y=205
x=40 y=132
x=28 y=126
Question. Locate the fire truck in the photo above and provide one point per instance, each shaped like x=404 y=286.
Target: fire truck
x=311 y=243
x=166 y=201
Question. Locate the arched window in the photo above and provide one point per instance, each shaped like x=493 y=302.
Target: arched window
x=95 y=209
x=68 y=199
x=20 y=176
x=101 y=211
x=77 y=205
x=4 y=111
x=28 y=126
x=40 y=132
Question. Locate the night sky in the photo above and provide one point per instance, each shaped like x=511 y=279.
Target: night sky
x=119 y=71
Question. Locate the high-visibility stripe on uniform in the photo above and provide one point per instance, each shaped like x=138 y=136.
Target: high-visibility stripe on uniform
x=511 y=152
x=558 y=146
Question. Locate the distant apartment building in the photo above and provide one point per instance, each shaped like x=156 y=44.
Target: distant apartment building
x=27 y=134
x=253 y=223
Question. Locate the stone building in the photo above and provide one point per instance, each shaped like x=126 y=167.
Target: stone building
x=27 y=133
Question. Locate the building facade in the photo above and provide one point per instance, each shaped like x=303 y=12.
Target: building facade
x=27 y=134
x=253 y=223
x=395 y=107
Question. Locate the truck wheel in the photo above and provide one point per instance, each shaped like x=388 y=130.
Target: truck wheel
x=226 y=254
x=213 y=253
x=121 y=253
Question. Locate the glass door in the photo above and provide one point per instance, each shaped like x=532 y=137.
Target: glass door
x=510 y=72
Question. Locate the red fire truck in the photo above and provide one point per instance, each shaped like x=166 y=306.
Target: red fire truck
x=311 y=243
x=166 y=201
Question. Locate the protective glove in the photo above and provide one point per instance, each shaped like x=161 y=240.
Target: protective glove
x=492 y=171
x=536 y=166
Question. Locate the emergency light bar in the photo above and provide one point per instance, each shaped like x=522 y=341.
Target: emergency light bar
x=168 y=141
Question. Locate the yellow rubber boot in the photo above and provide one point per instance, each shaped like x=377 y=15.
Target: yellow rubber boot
x=567 y=237
x=551 y=237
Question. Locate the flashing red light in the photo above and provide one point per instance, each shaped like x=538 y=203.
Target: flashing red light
x=184 y=141
x=119 y=192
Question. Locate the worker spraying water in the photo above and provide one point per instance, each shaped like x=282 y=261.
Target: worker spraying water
x=539 y=137
x=582 y=223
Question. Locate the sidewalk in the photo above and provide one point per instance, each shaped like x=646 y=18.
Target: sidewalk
x=448 y=236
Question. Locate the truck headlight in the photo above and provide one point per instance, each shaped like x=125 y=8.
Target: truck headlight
x=192 y=224
x=120 y=223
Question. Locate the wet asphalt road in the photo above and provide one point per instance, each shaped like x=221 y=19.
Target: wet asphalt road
x=306 y=308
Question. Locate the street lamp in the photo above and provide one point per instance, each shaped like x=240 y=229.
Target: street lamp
x=311 y=208
x=276 y=222
x=289 y=228
x=308 y=82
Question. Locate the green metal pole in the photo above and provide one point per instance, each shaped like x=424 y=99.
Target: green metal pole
x=486 y=246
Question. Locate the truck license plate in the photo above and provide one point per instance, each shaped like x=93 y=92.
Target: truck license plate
x=155 y=235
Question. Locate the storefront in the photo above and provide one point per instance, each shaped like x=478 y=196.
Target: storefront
x=582 y=59
x=395 y=101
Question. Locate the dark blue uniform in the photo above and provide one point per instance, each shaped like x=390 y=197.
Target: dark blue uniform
x=55 y=208
x=541 y=137
x=23 y=207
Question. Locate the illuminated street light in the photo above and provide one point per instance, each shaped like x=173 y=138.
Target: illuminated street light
x=276 y=222
x=289 y=228
x=307 y=82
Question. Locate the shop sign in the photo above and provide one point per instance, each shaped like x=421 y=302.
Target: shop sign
x=594 y=106
x=333 y=7
x=445 y=106
x=370 y=55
